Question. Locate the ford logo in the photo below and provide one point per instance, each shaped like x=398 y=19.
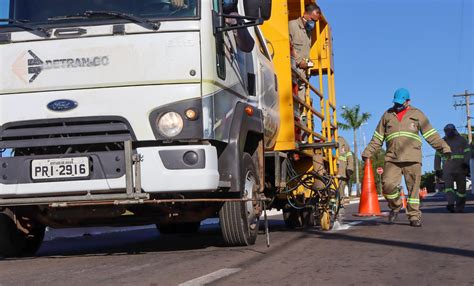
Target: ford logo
x=62 y=105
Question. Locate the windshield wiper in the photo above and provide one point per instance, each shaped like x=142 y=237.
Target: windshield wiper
x=91 y=14
x=22 y=24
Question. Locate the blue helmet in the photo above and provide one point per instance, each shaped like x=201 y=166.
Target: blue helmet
x=401 y=95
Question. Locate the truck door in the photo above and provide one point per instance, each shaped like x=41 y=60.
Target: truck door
x=266 y=88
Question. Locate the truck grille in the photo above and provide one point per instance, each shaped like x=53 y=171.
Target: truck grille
x=44 y=134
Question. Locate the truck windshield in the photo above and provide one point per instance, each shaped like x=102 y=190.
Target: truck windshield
x=47 y=11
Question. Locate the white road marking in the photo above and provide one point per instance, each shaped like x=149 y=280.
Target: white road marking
x=345 y=226
x=211 y=277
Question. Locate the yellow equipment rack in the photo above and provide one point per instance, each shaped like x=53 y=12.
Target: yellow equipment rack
x=321 y=123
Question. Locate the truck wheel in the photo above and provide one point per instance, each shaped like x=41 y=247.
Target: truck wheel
x=179 y=228
x=240 y=220
x=9 y=245
x=33 y=241
x=292 y=217
x=15 y=243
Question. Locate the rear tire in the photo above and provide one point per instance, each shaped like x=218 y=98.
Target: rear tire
x=240 y=220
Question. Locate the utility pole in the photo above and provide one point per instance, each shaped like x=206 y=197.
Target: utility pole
x=467 y=97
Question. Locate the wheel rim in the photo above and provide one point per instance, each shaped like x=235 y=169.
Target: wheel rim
x=325 y=221
x=250 y=188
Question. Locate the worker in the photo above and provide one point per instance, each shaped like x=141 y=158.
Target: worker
x=399 y=127
x=301 y=30
x=345 y=169
x=345 y=166
x=454 y=170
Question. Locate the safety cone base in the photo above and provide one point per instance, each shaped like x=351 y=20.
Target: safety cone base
x=384 y=214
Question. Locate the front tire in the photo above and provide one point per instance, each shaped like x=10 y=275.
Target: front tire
x=240 y=220
x=14 y=243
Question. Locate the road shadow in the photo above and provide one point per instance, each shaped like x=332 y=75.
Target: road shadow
x=393 y=243
x=140 y=241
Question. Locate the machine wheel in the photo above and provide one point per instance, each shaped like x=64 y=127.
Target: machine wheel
x=307 y=217
x=15 y=243
x=240 y=220
x=179 y=228
x=292 y=217
x=325 y=220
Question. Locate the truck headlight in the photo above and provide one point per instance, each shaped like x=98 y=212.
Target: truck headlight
x=170 y=124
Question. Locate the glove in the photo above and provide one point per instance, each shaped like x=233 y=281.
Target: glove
x=439 y=174
x=349 y=173
x=447 y=155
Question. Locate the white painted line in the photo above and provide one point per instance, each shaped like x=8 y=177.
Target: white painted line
x=211 y=277
x=275 y=212
x=345 y=226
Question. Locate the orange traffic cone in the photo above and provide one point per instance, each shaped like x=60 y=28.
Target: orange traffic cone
x=369 y=201
x=404 y=200
x=423 y=193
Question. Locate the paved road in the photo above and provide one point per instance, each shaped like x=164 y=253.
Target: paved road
x=370 y=252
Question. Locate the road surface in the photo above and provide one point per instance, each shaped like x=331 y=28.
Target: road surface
x=369 y=252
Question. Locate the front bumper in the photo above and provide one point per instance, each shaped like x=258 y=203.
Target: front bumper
x=162 y=170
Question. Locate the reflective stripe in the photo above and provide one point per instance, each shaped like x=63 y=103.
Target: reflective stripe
x=447 y=190
x=392 y=196
x=403 y=134
x=467 y=150
x=344 y=157
x=457 y=157
x=378 y=136
x=460 y=195
x=429 y=133
x=413 y=201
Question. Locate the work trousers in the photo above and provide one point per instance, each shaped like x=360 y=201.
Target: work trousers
x=343 y=182
x=391 y=180
x=457 y=196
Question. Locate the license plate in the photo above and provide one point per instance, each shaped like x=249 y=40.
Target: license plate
x=46 y=169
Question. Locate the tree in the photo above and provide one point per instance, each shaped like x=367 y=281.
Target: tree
x=428 y=181
x=353 y=120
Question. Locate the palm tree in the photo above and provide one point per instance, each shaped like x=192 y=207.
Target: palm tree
x=353 y=120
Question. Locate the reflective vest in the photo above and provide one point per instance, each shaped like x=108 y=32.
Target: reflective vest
x=403 y=138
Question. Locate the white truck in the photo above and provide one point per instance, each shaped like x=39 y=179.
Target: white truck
x=119 y=112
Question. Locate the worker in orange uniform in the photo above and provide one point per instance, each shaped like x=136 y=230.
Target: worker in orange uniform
x=399 y=127
x=454 y=170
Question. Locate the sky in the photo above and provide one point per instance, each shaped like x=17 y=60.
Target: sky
x=4 y=8
x=425 y=46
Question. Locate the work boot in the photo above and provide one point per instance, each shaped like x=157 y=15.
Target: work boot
x=415 y=223
x=392 y=216
x=450 y=208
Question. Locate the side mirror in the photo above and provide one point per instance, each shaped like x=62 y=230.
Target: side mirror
x=258 y=8
x=229 y=6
